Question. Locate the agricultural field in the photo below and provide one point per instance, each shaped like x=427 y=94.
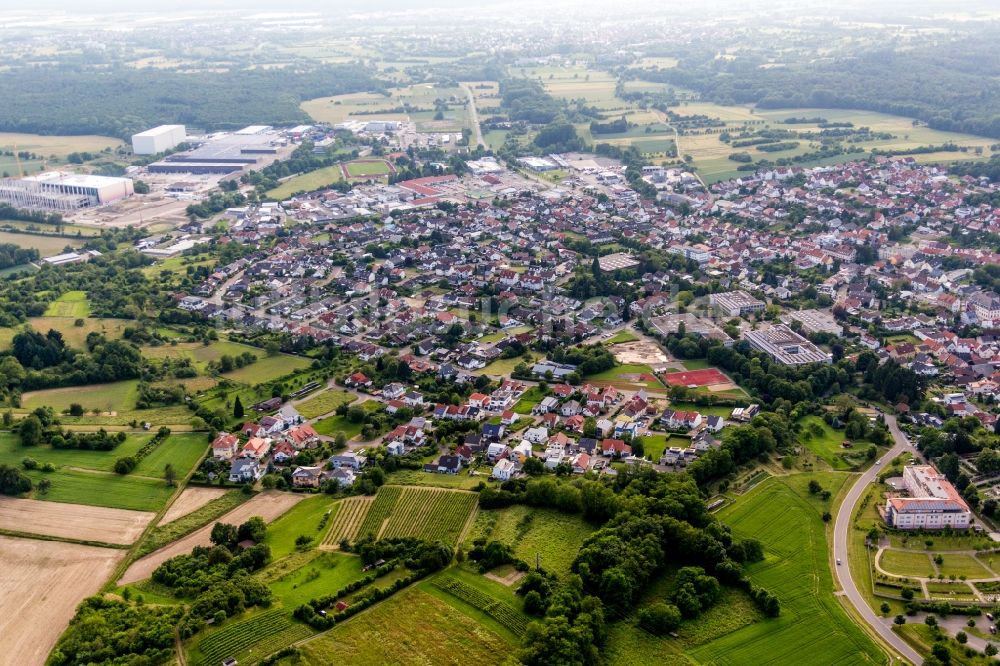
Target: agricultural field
x=171 y=528
x=324 y=403
x=509 y=617
x=47 y=246
x=369 y=107
x=552 y=536
x=52 y=149
x=42 y=584
x=267 y=368
x=190 y=500
x=72 y=521
x=267 y=505
x=181 y=450
x=71 y=304
x=412 y=627
x=812 y=627
x=347 y=522
x=256 y=636
x=711 y=156
x=324 y=574
x=307 y=182
x=460 y=481
x=106 y=398
x=400 y=511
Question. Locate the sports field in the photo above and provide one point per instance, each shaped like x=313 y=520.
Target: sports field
x=812 y=627
x=703 y=377
x=307 y=182
x=365 y=168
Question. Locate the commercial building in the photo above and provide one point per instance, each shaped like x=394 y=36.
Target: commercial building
x=933 y=502
x=158 y=139
x=224 y=153
x=58 y=190
x=817 y=321
x=736 y=303
x=616 y=262
x=785 y=346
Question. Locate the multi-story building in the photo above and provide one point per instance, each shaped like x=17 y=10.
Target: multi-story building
x=736 y=303
x=158 y=139
x=933 y=502
x=786 y=346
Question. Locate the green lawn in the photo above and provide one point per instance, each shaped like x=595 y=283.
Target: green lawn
x=360 y=169
x=696 y=363
x=324 y=403
x=331 y=426
x=905 y=564
x=303 y=518
x=958 y=564
x=70 y=304
x=655 y=445
x=812 y=627
x=622 y=337
x=267 y=368
x=626 y=376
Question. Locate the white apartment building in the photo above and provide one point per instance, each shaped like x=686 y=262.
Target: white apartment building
x=933 y=502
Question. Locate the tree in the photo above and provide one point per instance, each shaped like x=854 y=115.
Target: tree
x=30 y=431
x=253 y=529
x=13 y=482
x=990 y=650
x=76 y=409
x=885 y=608
x=238 y=408
x=224 y=534
x=44 y=486
x=170 y=475
x=962 y=637
x=660 y=618
x=899 y=619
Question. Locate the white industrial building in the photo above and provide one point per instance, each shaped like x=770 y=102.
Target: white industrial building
x=158 y=139
x=786 y=346
x=58 y=190
x=933 y=502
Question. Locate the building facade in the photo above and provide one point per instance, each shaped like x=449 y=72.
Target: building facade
x=933 y=502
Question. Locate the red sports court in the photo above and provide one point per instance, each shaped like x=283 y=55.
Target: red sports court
x=704 y=377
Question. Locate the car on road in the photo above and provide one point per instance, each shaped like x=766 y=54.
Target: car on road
x=838 y=561
x=878 y=462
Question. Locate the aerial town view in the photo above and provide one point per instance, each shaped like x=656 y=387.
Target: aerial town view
x=499 y=333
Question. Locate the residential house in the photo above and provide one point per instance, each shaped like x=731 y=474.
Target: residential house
x=225 y=446
x=504 y=469
x=246 y=470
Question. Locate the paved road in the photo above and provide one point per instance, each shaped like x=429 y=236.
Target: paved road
x=841 y=531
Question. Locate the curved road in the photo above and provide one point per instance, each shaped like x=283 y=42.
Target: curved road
x=841 y=531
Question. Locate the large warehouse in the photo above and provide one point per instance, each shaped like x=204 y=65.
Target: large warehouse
x=58 y=190
x=158 y=139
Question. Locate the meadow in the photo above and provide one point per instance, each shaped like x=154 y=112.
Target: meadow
x=812 y=628
x=305 y=518
x=553 y=537
x=113 y=397
x=411 y=627
x=825 y=442
x=71 y=304
x=307 y=182
x=324 y=403
x=52 y=149
x=76 y=336
x=47 y=246
x=368 y=107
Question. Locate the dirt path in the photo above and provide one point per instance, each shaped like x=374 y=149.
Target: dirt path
x=267 y=505
x=192 y=499
x=41 y=585
x=73 y=521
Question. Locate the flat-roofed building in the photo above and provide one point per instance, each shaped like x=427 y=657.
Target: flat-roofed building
x=933 y=502
x=785 y=346
x=736 y=303
x=817 y=321
x=616 y=262
x=59 y=190
x=158 y=139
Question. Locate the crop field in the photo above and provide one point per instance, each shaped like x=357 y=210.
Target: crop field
x=56 y=146
x=412 y=627
x=267 y=505
x=812 y=627
x=70 y=304
x=254 y=637
x=426 y=513
x=903 y=563
x=711 y=155
x=511 y=618
x=190 y=500
x=172 y=528
x=324 y=403
x=374 y=107
x=41 y=586
x=268 y=368
x=347 y=523
x=307 y=182
x=552 y=536
x=72 y=521
x=305 y=518
x=47 y=246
